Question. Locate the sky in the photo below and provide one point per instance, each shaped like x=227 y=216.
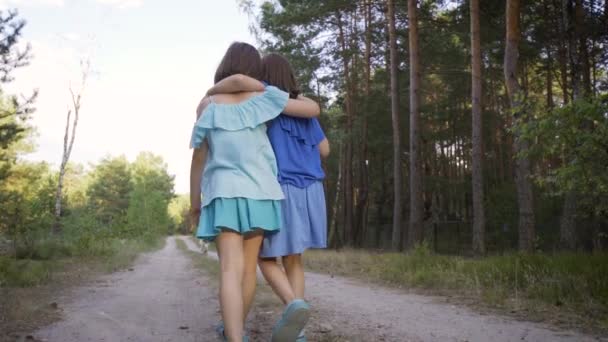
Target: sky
x=151 y=62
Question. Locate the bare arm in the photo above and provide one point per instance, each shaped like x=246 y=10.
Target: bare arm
x=324 y=148
x=302 y=107
x=201 y=106
x=236 y=83
x=199 y=159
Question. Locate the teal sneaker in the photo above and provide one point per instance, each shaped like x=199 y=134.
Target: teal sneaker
x=292 y=322
x=219 y=329
x=301 y=337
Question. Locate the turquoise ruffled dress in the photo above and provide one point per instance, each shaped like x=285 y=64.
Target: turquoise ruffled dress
x=239 y=185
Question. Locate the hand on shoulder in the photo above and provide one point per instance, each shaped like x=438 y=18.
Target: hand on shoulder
x=202 y=105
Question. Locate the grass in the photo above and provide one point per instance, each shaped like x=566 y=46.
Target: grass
x=211 y=246
x=27 y=286
x=561 y=287
x=209 y=266
x=53 y=256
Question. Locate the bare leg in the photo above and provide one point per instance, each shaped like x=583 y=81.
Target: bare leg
x=291 y=282
x=230 y=247
x=295 y=273
x=276 y=277
x=251 y=250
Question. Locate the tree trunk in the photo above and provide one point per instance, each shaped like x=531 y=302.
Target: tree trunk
x=583 y=53
x=348 y=147
x=415 y=230
x=549 y=74
x=362 y=207
x=567 y=221
x=396 y=237
x=562 y=54
x=333 y=238
x=461 y=179
x=547 y=164
x=501 y=155
x=451 y=162
x=549 y=64
x=497 y=137
x=68 y=144
x=479 y=246
x=522 y=164
x=568 y=8
x=62 y=168
x=445 y=169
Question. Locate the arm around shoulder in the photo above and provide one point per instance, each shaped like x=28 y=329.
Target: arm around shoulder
x=201 y=106
x=324 y=148
x=302 y=107
x=236 y=83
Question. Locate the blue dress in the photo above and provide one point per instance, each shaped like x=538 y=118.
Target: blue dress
x=239 y=183
x=295 y=142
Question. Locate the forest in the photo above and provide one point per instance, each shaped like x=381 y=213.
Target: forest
x=471 y=126
x=76 y=210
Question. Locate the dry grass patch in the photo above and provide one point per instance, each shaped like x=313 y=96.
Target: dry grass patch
x=566 y=289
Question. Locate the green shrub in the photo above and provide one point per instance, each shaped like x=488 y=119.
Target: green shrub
x=14 y=272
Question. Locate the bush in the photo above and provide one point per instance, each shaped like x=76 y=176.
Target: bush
x=110 y=215
x=23 y=272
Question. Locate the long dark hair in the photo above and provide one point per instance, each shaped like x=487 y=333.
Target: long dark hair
x=278 y=72
x=240 y=58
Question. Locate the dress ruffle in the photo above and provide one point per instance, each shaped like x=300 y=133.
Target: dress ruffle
x=300 y=129
x=250 y=113
x=241 y=215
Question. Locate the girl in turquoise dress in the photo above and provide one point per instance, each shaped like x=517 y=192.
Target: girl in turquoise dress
x=299 y=144
x=235 y=169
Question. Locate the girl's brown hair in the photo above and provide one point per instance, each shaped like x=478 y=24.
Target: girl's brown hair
x=240 y=58
x=278 y=72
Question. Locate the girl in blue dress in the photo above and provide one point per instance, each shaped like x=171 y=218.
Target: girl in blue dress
x=299 y=144
x=234 y=167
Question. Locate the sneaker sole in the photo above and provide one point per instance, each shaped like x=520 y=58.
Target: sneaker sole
x=292 y=327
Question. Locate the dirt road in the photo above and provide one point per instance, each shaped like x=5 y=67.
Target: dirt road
x=365 y=312
x=164 y=299
x=161 y=299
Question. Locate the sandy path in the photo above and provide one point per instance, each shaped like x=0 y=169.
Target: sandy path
x=165 y=299
x=161 y=299
x=390 y=315
x=366 y=313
